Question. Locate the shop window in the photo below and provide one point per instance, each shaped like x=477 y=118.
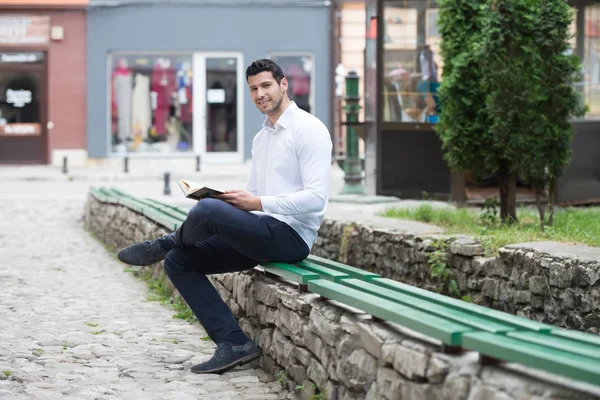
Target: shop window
x=299 y=71
x=20 y=103
x=151 y=103
x=412 y=65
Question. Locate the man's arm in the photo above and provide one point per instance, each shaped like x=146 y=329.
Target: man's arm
x=314 y=156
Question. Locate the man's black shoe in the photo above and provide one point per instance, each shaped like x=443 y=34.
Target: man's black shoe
x=228 y=356
x=143 y=253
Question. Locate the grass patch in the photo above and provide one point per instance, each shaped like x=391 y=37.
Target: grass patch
x=98 y=332
x=92 y=324
x=571 y=225
x=7 y=373
x=160 y=293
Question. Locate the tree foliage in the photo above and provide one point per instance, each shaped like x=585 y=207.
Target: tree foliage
x=508 y=96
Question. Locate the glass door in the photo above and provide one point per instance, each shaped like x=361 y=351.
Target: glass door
x=21 y=126
x=218 y=115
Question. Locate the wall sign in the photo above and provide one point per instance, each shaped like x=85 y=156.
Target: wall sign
x=24 y=30
x=18 y=129
x=21 y=57
x=18 y=98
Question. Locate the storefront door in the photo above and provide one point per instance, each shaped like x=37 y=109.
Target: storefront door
x=23 y=137
x=219 y=112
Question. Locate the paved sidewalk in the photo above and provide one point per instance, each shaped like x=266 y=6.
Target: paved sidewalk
x=74 y=325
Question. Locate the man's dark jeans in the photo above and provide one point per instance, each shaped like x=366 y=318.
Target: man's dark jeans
x=217 y=238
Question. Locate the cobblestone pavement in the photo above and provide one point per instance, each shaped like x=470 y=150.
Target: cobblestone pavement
x=74 y=325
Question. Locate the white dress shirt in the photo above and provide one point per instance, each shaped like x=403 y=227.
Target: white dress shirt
x=291 y=161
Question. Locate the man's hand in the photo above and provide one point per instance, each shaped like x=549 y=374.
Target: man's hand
x=241 y=199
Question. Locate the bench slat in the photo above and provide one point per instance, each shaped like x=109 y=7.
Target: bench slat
x=324 y=272
x=448 y=332
x=577 y=336
x=471 y=308
x=290 y=272
x=166 y=208
x=534 y=355
x=558 y=343
x=474 y=321
x=161 y=218
x=352 y=271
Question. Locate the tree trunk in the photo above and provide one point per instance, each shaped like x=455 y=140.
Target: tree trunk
x=551 y=194
x=508 y=193
x=541 y=206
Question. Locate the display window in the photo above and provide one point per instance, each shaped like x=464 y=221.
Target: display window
x=299 y=71
x=151 y=103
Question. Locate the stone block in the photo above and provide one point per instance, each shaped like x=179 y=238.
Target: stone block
x=388 y=385
x=347 y=345
x=559 y=275
x=293 y=321
x=317 y=373
x=304 y=356
x=438 y=369
x=491 y=288
x=358 y=371
x=370 y=341
x=312 y=341
x=411 y=360
x=267 y=315
x=325 y=326
x=538 y=285
x=522 y=297
x=265 y=339
x=456 y=388
x=283 y=347
x=266 y=293
x=466 y=247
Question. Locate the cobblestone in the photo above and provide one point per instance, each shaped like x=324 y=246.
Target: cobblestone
x=75 y=325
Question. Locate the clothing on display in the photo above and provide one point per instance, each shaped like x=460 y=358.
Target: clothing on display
x=152 y=104
x=122 y=82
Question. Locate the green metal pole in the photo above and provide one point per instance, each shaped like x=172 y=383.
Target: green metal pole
x=352 y=165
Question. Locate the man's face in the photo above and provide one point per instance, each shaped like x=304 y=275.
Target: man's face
x=265 y=92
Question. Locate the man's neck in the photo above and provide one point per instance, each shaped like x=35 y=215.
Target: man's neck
x=273 y=117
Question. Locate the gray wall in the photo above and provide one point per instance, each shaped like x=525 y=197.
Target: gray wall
x=252 y=30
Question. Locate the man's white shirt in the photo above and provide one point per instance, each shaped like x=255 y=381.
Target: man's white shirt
x=291 y=161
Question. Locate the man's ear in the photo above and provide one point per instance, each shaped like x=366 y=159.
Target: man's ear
x=284 y=84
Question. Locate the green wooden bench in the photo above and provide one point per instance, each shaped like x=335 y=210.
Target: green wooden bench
x=458 y=325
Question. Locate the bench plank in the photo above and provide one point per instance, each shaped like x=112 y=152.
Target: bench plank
x=290 y=272
x=325 y=272
x=474 y=321
x=558 y=343
x=352 y=271
x=471 y=308
x=577 y=336
x=448 y=332
x=534 y=355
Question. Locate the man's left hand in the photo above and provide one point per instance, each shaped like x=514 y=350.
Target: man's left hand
x=241 y=199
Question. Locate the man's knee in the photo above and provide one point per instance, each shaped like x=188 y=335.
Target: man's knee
x=205 y=209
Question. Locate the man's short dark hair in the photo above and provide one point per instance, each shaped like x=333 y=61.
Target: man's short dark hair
x=265 y=65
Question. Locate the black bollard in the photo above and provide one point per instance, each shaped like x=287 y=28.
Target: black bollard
x=65 y=170
x=167 y=190
x=197 y=163
x=126 y=164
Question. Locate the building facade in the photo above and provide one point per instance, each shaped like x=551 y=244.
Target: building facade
x=42 y=81
x=169 y=80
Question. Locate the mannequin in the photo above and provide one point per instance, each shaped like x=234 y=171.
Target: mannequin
x=122 y=84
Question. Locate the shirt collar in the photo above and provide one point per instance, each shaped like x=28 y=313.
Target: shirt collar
x=284 y=119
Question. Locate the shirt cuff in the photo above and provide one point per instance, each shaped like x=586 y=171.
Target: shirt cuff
x=268 y=203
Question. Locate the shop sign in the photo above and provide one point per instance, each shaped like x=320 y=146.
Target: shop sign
x=18 y=98
x=24 y=30
x=32 y=129
x=21 y=57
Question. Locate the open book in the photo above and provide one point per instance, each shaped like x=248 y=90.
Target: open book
x=193 y=190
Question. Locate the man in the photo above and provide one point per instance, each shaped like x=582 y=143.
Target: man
x=275 y=219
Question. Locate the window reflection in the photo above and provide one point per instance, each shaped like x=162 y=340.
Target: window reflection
x=412 y=65
x=151 y=103
x=298 y=70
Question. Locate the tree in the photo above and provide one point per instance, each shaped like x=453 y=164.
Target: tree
x=558 y=102
x=509 y=61
x=464 y=123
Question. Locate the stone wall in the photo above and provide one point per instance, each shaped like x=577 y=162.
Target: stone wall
x=335 y=352
x=550 y=282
